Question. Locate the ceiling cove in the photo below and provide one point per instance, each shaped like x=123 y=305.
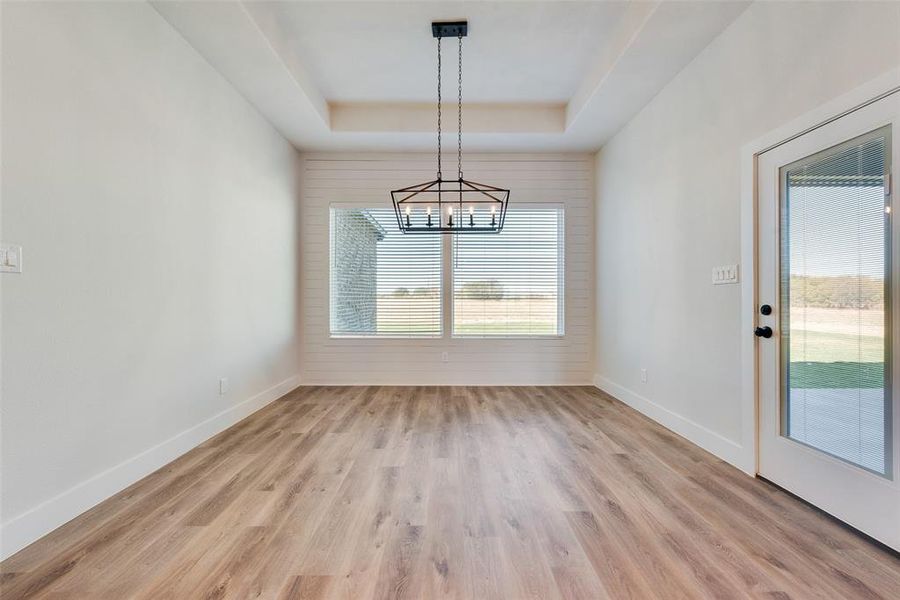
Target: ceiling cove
x=546 y=76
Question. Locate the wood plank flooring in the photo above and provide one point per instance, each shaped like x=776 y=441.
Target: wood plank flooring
x=469 y=492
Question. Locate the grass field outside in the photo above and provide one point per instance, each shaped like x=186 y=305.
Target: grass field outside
x=836 y=348
x=817 y=375
x=506 y=316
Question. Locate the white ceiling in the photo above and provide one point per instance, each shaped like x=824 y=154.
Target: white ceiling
x=362 y=52
x=544 y=76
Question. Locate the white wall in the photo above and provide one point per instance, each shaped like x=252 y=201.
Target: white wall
x=668 y=206
x=335 y=178
x=158 y=215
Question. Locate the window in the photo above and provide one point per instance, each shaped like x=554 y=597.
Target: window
x=511 y=283
x=382 y=281
x=385 y=283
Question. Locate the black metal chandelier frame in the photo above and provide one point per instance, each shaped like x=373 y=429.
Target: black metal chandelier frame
x=450 y=206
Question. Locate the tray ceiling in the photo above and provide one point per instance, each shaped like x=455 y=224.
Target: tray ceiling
x=362 y=75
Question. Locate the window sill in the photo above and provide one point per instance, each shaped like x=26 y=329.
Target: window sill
x=387 y=336
x=456 y=336
x=508 y=336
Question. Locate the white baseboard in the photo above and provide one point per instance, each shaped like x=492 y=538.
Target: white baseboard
x=709 y=440
x=33 y=524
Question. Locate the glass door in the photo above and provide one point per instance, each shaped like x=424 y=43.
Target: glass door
x=827 y=281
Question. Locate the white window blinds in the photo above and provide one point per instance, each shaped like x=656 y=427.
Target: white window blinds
x=382 y=281
x=511 y=283
x=835 y=335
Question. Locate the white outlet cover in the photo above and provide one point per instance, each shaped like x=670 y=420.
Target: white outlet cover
x=10 y=259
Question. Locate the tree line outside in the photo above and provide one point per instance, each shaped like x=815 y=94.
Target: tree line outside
x=476 y=290
x=856 y=292
x=489 y=289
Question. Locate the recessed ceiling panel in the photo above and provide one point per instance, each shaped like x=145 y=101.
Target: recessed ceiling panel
x=384 y=51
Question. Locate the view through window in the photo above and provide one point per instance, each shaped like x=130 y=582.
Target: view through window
x=382 y=281
x=511 y=283
x=386 y=283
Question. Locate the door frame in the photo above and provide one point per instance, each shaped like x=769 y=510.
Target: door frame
x=865 y=94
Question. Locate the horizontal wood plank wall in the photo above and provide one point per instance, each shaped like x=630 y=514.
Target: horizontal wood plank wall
x=362 y=178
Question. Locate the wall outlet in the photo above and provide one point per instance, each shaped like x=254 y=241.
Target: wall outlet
x=725 y=274
x=445 y=357
x=10 y=259
x=223 y=386
x=643 y=375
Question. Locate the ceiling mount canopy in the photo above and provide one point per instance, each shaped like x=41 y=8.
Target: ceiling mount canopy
x=450 y=205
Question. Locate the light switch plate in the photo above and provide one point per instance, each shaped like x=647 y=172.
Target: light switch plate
x=10 y=259
x=725 y=274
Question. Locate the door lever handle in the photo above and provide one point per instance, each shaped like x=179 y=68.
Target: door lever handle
x=763 y=332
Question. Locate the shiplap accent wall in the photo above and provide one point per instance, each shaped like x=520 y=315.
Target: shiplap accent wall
x=368 y=178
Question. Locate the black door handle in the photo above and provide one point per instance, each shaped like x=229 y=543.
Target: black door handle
x=763 y=332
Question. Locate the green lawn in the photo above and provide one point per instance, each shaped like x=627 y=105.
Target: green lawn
x=836 y=360
x=805 y=375
x=508 y=328
x=413 y=330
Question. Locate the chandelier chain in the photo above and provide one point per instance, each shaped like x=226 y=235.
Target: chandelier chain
x=459 y=112
x=439 y=109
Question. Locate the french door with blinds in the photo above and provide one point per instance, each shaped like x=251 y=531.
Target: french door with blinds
x=828 y=318
x=384 y=283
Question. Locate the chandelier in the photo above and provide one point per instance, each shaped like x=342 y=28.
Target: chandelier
x=450 y=205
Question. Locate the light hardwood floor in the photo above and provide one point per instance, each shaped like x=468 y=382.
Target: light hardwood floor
x=392 y=492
